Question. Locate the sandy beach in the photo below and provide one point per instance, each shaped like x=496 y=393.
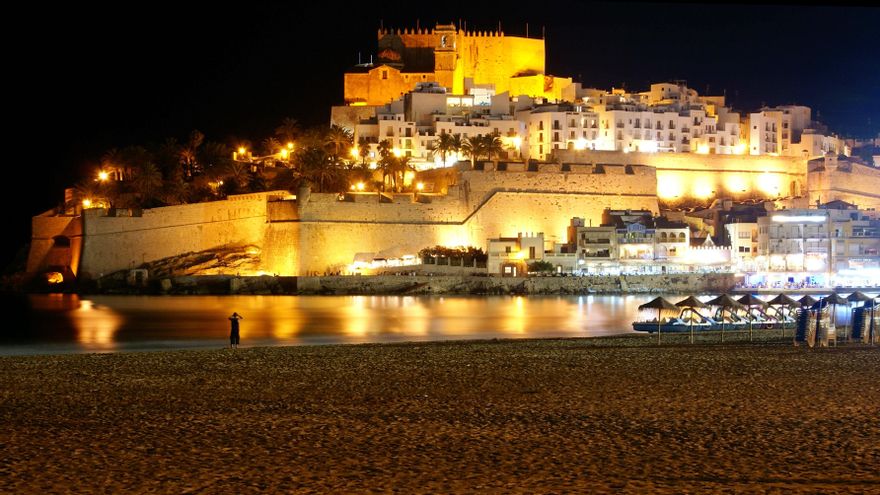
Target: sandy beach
x=538 y=416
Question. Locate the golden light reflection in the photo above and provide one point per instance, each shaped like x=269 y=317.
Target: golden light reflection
x=703 y=149
x=97 y=325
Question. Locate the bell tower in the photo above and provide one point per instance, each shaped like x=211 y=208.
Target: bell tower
x=445 y=54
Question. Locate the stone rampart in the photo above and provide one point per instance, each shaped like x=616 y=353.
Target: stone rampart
x=118 y=243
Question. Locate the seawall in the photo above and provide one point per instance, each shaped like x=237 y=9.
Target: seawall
x=426 y=285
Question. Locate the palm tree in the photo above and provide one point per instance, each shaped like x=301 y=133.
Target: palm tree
x=493 y=145
x=147 y=183
x=444 y=145
x=386 y=160
x=401 y=166
x=237 y=173
x=363 y=150
x=288 y=130
x=339 y=140
x=473 y=147
x=189 y=154
x=271 y=146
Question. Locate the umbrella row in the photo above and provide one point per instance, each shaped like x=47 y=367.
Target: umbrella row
x=749 y=301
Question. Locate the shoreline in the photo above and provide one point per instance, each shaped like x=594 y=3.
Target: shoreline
x=599 y=414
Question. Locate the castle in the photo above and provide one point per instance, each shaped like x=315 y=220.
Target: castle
x=569 y=152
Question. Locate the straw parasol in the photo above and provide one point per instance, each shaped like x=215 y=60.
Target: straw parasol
x=807 y=301
x=783 y=301
x=751 y=300
x=659 y=304
x=725 y=302
x=691 y=302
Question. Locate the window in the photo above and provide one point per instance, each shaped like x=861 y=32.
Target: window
x=506 y=249
x=384 y=74
x=532 y=252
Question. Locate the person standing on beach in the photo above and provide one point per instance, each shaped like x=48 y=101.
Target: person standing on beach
x=234 y=336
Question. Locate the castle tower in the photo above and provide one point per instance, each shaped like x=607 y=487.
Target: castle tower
x=445 y=55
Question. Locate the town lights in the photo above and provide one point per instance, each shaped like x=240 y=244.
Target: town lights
x=397 y=152
x=290 y=145
x=87 y=203
x=103 y=176
x=241 y=150
x=354 y=152
x=420 y=186
x=284 y=154
x=360 y=186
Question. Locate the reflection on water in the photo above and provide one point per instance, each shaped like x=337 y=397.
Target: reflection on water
x=70 y=323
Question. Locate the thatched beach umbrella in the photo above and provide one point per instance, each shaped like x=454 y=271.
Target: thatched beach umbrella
x=659 y=304
x=725 y=302
x=691 y=302
x=783 y=302
x=751 y=300
x=807 y=301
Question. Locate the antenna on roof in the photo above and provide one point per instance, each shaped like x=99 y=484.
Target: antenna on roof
x=543 y=32
x=359 y=58
x=527 y=30
x=417 y=24
x=381 y=24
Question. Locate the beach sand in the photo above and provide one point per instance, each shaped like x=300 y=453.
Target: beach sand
x=538 y=416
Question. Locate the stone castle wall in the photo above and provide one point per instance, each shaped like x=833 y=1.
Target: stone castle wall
x=118 y=243
x=856 y=184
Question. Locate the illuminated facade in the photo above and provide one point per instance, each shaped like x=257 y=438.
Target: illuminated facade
x=824 y=246
x=454 y=58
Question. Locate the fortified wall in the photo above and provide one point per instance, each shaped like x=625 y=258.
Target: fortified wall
x=830 y=179
x=683 y=177
x=314 y=233
x=101 y=244
x=329 y=229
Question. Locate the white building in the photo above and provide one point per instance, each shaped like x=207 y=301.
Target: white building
x=832 y=245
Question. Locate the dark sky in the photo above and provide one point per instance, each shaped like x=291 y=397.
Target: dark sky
x=87 y=79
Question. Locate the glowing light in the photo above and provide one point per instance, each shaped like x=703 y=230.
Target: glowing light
x=354 y=152
x=648 y=146
x=87 y=203
x=736 y=183
x=740 y=149
x=703 y=149
x=54 y=278
x=397 y=152
x=797 y=218
x=770 y=184
x=284 y=154
x=360 y=186
x=351 y=187
x=241 y=150
x=290 y=145
x=420 y=186
x=517 y=141
x=703 y=188
x=103 y=176
x=580 y=144
x=669 y=187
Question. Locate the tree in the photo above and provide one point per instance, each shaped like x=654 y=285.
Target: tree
x=338 y=140
x=271 y=146
x=288 y=130
x=541 y=266
x=386 y=161
x=444 y=145
x=363 y=150
x=189 y=154
x=493 y=146
x=215 y=158
x=473 y=147
x=147 y=184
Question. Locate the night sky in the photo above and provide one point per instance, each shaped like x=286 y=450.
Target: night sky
x=86 y=79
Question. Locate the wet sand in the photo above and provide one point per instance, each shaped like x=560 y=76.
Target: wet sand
x=538 y=416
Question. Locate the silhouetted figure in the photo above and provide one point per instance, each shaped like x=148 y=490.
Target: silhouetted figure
x=233 y=333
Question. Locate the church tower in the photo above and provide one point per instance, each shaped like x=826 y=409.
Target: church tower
x=445 y=55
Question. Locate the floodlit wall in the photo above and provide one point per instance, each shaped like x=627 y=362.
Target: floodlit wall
x=853 y=183
x=46 y=251
x=690 y=176
x=118 y=243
